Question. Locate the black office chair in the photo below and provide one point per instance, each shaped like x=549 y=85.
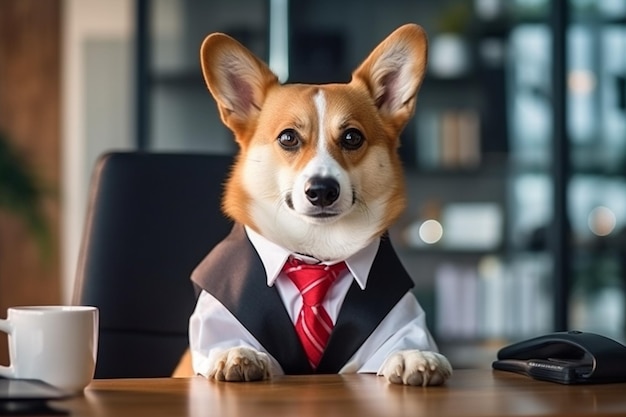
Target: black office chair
x=151 y=218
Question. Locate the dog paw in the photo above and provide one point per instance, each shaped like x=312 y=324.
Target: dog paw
x=241 y=364
x=414 y=367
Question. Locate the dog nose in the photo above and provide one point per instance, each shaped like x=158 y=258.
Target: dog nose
x=321 y=191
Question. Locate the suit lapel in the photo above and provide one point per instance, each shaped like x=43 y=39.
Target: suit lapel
x=234 y=274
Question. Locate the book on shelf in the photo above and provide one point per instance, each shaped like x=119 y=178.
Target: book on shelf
x=491 y=299
x=449 y=139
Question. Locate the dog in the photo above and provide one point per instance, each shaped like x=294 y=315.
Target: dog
x=317 y=177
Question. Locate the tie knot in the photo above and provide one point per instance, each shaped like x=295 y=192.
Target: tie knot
x=312 y=280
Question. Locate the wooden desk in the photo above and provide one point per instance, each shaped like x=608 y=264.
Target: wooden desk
x=468 y=393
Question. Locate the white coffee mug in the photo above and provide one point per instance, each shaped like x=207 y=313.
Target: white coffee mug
x=54 y=344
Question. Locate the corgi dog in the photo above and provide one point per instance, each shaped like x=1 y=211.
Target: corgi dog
x=317 y=175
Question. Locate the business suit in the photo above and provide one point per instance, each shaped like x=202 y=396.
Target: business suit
x=234 y=274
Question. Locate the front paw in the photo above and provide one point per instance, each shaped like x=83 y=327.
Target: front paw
x=241 y=364
x=414 y=367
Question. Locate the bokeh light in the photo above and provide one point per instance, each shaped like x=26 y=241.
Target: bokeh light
x=431 y=231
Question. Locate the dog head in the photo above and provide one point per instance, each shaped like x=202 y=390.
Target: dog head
x=318 y=170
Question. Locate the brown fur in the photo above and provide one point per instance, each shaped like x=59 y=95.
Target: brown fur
x=302 y=183
x=257 y=108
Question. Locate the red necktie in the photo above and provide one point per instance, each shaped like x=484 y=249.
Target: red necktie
x=313 y=325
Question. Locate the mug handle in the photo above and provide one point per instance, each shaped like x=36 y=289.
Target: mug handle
x=6 y=371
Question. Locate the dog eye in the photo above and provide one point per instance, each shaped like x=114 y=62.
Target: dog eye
x=352 y=139
x=289 y=139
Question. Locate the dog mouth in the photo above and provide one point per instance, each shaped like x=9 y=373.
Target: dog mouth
x=323 y=215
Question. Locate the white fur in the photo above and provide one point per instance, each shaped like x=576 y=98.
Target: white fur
x=330 y=240
x=241 y=364
x=320 y=107
x=415 y=367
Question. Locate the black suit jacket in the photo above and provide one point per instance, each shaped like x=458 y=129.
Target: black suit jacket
x=234 y=274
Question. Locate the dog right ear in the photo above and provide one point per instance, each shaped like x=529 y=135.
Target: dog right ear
x=393 y=73
x=238 y=81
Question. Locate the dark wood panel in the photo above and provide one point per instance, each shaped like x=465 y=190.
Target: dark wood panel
x=30 y=60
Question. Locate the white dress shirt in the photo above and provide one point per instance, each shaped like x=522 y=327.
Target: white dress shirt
x=213 y=329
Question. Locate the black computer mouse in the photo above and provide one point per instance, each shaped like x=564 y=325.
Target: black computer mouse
x=572 y=357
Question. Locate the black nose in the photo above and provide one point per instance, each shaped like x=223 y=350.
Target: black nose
x=321 y=191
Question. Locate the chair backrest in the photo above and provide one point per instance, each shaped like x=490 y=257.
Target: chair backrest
x=151 y=218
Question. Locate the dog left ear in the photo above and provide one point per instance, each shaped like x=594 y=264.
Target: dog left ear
x=237 y=79
x=394 y=71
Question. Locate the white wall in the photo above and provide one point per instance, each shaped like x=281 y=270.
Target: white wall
x=97 y=106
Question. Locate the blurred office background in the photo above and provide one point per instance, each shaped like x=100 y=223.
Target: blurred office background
x=515 y=159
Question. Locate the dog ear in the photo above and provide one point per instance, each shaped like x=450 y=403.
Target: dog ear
x=237 y=79
x=393 y=73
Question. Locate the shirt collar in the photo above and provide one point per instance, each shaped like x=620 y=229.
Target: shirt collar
x=274 y=257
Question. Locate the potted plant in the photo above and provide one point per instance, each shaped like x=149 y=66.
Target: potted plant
x=22 y=195
x=449 y=50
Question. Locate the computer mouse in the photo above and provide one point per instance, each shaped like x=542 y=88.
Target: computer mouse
x=572 y=357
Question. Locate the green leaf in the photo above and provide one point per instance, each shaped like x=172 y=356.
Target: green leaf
x=22 y=195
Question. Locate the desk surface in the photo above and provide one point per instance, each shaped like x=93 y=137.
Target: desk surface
x=467 y=393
